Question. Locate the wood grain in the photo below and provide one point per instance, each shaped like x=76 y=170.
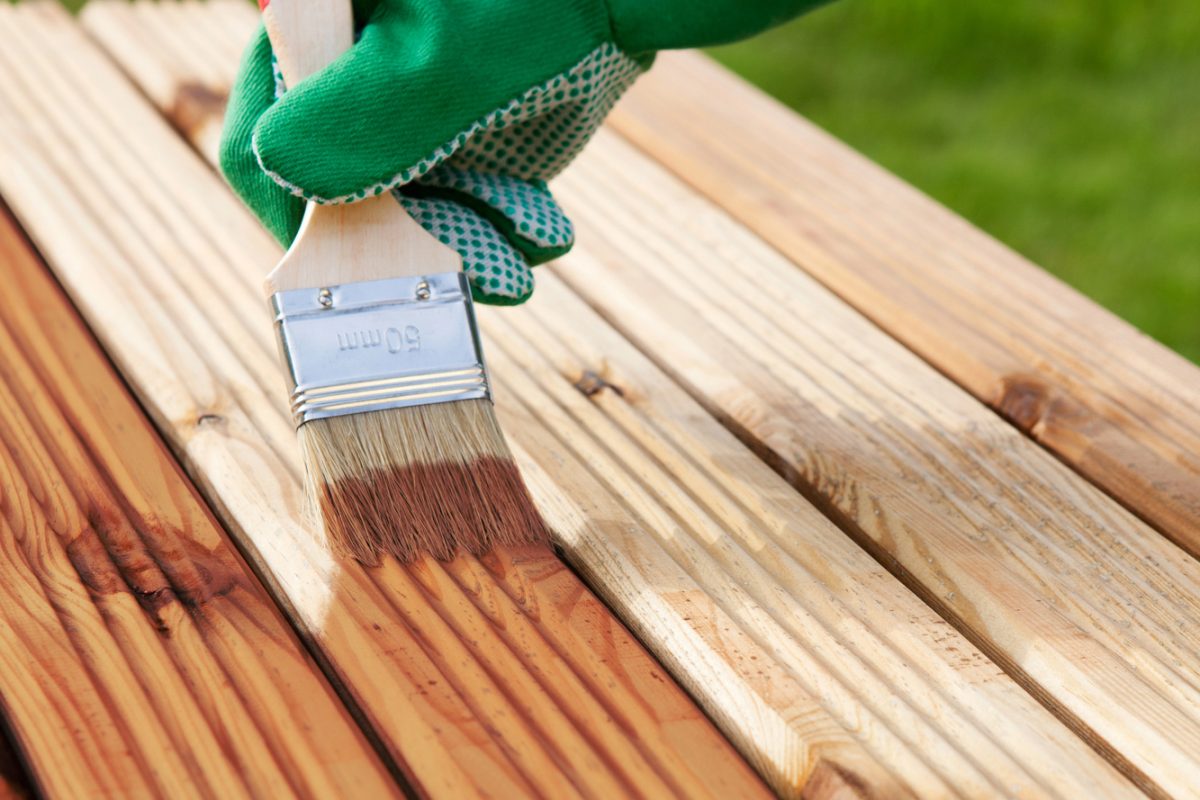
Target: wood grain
x=793 y=620
x=1085 y=604
x=1119 y=408
x=825 y=670
x=137 y=38
x=162 y=666
x=164 y=263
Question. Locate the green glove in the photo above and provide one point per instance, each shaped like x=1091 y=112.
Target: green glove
x=465 y=108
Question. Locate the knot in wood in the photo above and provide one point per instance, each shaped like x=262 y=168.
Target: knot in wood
x=194 y=106
x=1023 y=400
x=591 y=383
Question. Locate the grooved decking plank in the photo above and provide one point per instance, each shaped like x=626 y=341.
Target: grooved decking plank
x=141 y=656
x=829 y=675
x=188 y=84
x=1118 y=407
x=504 y=677
x=1087 y=605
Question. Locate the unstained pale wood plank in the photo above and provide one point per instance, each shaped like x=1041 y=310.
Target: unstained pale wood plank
x=1087 y=605
x=1118 y=407
x=503 y=677
x=832 y=677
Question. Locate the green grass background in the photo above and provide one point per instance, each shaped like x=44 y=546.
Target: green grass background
x=1069 y=129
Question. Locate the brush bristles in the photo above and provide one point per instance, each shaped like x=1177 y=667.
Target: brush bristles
x=426 y=479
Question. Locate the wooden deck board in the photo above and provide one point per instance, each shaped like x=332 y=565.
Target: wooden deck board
x=438 y=659
x=162 y=667
x=1087 y=605
x=1116 y=406
x=816 y=642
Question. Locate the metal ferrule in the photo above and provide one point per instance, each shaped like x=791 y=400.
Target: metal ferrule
x=376 y=345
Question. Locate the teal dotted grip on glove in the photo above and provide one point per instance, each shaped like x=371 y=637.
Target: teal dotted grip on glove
x=501 y=226
x=463 y=108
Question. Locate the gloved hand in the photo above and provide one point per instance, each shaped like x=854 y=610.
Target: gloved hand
x=465 y=108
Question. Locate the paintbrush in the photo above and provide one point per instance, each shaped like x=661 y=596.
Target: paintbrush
x=389 y=390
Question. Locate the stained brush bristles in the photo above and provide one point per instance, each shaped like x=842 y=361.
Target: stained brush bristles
x=427 y=479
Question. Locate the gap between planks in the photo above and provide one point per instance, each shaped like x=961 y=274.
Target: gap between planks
x=14 y=781
x=504 y=676
x=942 y=730
x=1119 y=408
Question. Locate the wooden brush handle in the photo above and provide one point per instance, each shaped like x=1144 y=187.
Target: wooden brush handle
x=372 y=239
x=307 y=35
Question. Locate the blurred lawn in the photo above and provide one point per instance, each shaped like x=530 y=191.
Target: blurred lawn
x=1069 y=130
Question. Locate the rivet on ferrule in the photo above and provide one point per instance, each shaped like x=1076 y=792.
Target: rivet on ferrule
x=377 y=345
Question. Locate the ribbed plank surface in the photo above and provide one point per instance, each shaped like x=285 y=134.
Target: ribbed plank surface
x=500 y=678
x=826 y=671
x=1089 y=607
x=140 y=655
x=1121 y=409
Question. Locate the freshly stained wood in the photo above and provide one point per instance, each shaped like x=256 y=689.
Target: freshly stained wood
x=503 y=677
x=141 y=657
x=1116 y=406
x=1084 y=603
x=827 y=672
